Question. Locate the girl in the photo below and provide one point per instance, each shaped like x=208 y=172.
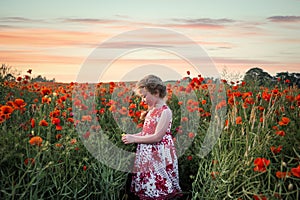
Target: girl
x=156 y=166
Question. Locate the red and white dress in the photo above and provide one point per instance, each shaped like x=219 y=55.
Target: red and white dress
x=156 y=165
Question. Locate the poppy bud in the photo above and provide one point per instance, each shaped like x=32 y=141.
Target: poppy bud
x=290 y=187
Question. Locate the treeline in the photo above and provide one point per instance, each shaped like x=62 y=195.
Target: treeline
x=260 y=77
x=255 y=76
x=8 y=73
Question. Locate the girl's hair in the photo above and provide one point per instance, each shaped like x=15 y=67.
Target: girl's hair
x=153 y=84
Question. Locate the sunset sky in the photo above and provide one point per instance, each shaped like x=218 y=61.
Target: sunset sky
x=54 y=38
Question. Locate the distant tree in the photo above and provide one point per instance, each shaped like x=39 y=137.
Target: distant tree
x=9 y=77
x=292 y=78
x=39 y=78
x=258 y=76
x=7 y=73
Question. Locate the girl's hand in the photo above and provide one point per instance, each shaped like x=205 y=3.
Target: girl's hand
x=128 y=138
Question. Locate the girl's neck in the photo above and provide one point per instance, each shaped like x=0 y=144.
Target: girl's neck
x=159 y=103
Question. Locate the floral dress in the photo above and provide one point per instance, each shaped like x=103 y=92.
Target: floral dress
x=156 y=166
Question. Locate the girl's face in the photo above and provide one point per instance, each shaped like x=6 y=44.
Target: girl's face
x=148 y=98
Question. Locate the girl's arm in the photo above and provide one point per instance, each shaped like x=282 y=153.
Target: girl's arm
x=160 y=131
x=138 y=134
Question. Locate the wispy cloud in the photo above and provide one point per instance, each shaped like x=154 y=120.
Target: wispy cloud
x=122 y=16
x=19 y=20
x=119 y=21
x=204 y=21
x=25 y=57
x=284 y=19
x=121 y=45
x=89 y=20
x=2 y=26
x=49 y=38
x=199 y=23
x=223 y=60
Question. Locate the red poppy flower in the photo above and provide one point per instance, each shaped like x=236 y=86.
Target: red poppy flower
x=19 y=103
x=86 y=118
x=276 y=150
x=86 y=135
x=58 y=145
x=58 y=127
x=29 y=161
x=184 y=119
x=280 y=133
x=63 y=98
x=32 y=121
x=45 y=91
x=180 y=102
x=261 y=164
x=58 y=136
x=6 y=110
x=132 y=106
x=73 y=141
x=214 y=174
x=46 y=100
x=296 y=171
x=261 y=119
x=221 y=104
x=235 y=87
x=43 y=123
x=71 y=120
x=140 y=125
x=55 y=121
x=55 y=113
x=36 y=140
x=113 y=108
x=283 y=174
x=284 y=121
x=123 y=111
x=191 y=135
x=260 y=108
x=266 y=96
x=239 y=120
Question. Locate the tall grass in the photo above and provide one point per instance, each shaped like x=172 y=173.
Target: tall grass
x=61 y=167
x=228 y=172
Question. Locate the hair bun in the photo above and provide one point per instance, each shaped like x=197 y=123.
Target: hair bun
x=153 y=84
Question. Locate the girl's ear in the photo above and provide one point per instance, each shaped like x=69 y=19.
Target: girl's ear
x=157 y=93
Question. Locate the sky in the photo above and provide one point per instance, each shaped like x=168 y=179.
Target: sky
x=58 y=39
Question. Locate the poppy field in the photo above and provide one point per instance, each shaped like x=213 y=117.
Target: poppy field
x=256 y=156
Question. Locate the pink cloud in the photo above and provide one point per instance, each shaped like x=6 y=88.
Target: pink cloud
x=90 y=20
x=49 y=38
x=222 y=60
x=31 y=57
x=284 y=19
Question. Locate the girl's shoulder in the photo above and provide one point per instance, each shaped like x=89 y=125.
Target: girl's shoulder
x=158 y=111
x=165 y=108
